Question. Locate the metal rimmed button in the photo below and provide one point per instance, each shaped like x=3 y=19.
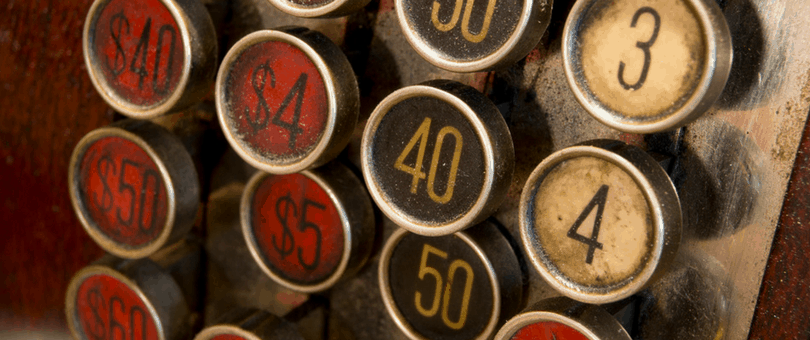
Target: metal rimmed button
x=255 y=325
x=308 y=230
x=646 y=66
x=134 y=187
x=563 y=319
x=600 y=220
x=287 y=100
x=457 y=286
x=149 y=58
x=136 y=299
x=465 y=36
x=437 y=157
x=319 y=8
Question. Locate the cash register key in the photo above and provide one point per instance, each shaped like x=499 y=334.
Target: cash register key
x=437 y=157
x=134 y=187
x=258 y=325
x=646 y=66
x=308 y=230
x=152 y=57
x=319 y=8
x=470 y=36
x=146 y=298
x=562 y=319
x=287 y=99
x=459 y=286
x=600 y=220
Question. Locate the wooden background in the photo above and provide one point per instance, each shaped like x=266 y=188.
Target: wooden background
x=47 y=104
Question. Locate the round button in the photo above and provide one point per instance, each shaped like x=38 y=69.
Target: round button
x=462 y=36
x=646 y=66
x=135 y=301
x=148 y=58
x=563 y=319
x=456 y=286
x=134 y=187
x=600 y=220
x=437 y=157
x=308 y=230
x=287 y=100
x=319 y=8
x=259 y=325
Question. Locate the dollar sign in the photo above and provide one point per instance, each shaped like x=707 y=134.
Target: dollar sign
x=258 y=82
x=96 y=301
x=115 y=32
x=286 y=233
x=103 y=168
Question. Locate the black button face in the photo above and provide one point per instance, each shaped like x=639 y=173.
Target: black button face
x=437 y=157
x=433 y=184
x=464 y=30
x=470 y=35
x=441 y=287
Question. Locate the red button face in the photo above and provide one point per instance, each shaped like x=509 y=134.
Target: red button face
x=548 y=330
x=297 y=228
x=109 y=309
x=277 y=101
x=123 y=191
x=228 y=337
x=139 y=49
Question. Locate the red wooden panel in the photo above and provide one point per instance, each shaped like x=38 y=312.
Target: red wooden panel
x=783 y=309
x=47 y=104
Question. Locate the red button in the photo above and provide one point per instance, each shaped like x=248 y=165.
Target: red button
x=123 y=191
x=548 y=330
x=134 y=187
x=297 y=228
x=140 y=50
x=280 y=99
x=109 y=309
x=228 y=337
x=287 y=99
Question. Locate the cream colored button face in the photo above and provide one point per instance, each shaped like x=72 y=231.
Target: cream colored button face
x=593 y=221
x=646 y=65
x=599 y=220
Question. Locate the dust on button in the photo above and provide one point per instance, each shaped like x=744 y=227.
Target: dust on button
x=642 y=59
x=123 y=191
x=428 y=160
x=593 y=222
x=298 y=229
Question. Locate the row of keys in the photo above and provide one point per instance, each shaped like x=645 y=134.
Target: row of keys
x=635 y=66
x=599 y=220
x=156 y=297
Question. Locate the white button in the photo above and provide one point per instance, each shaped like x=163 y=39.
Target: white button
x=646 y=66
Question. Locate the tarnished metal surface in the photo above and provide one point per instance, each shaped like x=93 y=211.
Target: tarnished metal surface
x=731 y=166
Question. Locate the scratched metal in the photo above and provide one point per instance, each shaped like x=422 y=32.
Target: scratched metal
x=732 y=165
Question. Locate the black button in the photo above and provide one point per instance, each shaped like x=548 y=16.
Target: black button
x=437 y=157
x=450 y=287
x=469 y=35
